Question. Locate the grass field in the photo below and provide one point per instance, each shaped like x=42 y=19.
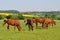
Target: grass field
x=52 y=33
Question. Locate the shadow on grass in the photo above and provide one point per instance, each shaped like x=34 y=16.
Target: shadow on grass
x=39 y=27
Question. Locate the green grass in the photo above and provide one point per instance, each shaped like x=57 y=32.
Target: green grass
x=52 y=33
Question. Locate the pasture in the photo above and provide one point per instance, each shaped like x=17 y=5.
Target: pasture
x=52 y=33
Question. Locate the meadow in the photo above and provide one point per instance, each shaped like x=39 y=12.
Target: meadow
x=52 y=33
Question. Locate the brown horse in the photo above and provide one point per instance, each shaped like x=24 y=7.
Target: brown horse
x=39 y=20
x=29 y=22
x=49 y=21
x=44 y=22
x=14 y=23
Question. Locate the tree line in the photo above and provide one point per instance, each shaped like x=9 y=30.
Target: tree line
x=21 y=17
x=52 y=14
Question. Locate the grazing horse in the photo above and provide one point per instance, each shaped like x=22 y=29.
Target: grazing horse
x=14 y=23
x=39 y=20
x=44 y=22
x=52 y=23
x=29 y=22
x=49 y=21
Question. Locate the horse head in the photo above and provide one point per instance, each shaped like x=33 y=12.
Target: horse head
x=5 y=21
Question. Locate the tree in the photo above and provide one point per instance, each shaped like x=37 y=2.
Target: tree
x=53 y=16
x=0 y=17
x=9 y=16
x=46 y=15
x=20 y=16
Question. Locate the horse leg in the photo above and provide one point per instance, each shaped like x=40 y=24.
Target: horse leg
x=8 y=27
x=14 y=28
x=36 y=24
x=52 y=24
x=29 y=27
x=32 y=27
x=43 y=25
x=46 y=25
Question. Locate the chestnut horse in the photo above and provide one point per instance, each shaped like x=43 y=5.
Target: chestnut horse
x=44 y=22
x=39 y=20
x=49 y=21
x=14 y=23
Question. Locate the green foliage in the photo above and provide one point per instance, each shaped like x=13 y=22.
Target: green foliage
x=58 y=18
x=1 y=17
x=15 y=17
x=47 y=16
x=53 y=16
x=40 y=15
x=9 y=16
x=20 y=16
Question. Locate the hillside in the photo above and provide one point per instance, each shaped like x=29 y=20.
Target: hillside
x=33 y=12
x=9 y=11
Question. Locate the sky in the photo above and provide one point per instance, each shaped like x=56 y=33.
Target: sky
x=30 y=5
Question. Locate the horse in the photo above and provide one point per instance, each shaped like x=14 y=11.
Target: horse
x=29 y=22
x=44 y=22
x=39 y=20
x=49 y=21
x=14 y=23
x=52 y=23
